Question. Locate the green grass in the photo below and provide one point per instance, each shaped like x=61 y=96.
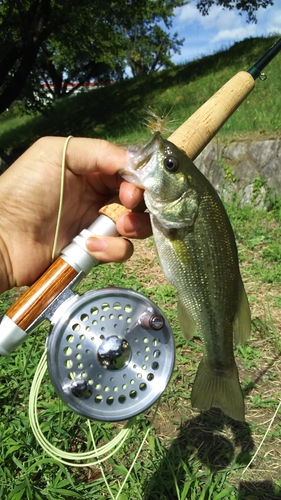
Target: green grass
x=188 y=455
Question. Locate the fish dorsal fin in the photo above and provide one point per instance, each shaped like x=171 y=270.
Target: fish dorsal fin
x=187 y=324
x=242 y=319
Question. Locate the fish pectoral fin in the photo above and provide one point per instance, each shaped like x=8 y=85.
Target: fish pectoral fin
x=220 y=389
x=187 y=324
x=242 y=319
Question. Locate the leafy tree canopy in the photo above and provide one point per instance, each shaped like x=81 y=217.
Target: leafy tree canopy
x=248 y=6
x=64 y=41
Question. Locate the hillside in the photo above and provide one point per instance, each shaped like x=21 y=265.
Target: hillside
x=117 y=112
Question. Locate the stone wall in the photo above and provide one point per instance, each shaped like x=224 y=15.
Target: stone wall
x=248 y=170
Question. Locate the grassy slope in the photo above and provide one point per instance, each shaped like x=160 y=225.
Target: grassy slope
x=116 y=112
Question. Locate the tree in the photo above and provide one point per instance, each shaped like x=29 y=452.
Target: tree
x=248 y=6
x=148 y=46
x=62 y=41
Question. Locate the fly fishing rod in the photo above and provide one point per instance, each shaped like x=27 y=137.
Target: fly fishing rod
x=116 y=333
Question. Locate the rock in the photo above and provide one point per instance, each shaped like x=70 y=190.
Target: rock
x=247 y=170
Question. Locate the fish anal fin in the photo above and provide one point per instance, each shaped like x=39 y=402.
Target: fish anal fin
x=242 y=319
x=186 y=322
x=218 y=388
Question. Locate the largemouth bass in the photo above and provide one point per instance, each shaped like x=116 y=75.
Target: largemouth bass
x=198 y=255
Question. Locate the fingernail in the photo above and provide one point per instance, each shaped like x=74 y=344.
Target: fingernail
x=96 y=244
x=131 y=223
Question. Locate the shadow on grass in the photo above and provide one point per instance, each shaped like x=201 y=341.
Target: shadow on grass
x=199 y=442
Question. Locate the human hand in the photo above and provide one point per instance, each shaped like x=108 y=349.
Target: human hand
x=29 y=200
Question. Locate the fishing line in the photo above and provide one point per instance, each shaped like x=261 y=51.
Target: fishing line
x=61 y=197
x=66 y=457
x=263 y=439
x=97 y=455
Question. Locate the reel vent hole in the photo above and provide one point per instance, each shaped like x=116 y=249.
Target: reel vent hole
x=133 y=394
x=110 y=400
x=142 y=386
x=84 y=317
x=155 y=365
x=117 y=306
x=70 y=338
x=67 y=351
x=150 y=377
x=122 y=399
x=94 y=311
x=105 y=306
x=76 y=327
x=68 y=363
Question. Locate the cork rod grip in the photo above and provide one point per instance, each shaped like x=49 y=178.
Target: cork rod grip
x=194 y=134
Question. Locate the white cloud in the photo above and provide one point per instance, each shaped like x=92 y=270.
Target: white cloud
x=235 y=34
x=220 y=29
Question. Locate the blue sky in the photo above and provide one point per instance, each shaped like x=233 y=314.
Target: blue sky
x=205 y=35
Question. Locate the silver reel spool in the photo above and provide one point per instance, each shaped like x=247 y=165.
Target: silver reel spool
x=110 y=354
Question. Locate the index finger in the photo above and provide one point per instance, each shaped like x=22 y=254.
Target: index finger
x=85 y=156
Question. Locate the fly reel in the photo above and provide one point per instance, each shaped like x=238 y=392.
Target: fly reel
x=110 y=353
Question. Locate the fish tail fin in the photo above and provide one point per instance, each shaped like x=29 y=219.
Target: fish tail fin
x=217 y=388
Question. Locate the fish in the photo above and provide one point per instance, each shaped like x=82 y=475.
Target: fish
x=197 y=252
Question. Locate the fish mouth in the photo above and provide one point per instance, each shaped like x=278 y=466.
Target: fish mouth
x=140 y=158
x=144 y=154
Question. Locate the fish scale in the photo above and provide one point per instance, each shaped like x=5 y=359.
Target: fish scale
x=198 y=255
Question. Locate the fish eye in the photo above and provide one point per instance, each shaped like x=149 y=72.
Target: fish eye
x=171 y=164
